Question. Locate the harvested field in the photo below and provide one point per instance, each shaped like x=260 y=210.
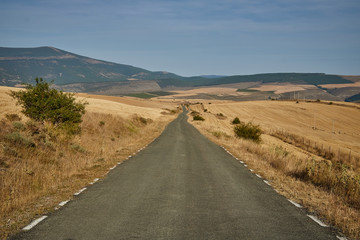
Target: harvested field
x=283 y=88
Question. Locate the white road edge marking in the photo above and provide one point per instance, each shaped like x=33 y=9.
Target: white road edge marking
x=315 y=219
x=95 y=180
x=295 y=204
x=81 y=190
x=119 y=163
x=34 y=223
x=241 y=161
x=267 y=182
x=251 y=170
x=113 y=167
x=258 y=175
x=341 y=238
x=245 y=165
x=63 y=203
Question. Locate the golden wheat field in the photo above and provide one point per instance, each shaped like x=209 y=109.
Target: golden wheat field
x=40 y=167
x=309 y=151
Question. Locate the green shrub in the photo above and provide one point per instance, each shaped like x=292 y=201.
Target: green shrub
x=42 y=103
x=18 y=139
x=236 y=121
x=248 y=131
x=101 y=123
x=198 y=118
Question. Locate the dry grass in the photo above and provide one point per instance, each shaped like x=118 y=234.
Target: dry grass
x=283 y=87
x=40 y=166
x=330 y=188
x=356 y=84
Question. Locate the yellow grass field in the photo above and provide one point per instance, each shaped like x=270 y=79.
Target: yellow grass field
x=286 y=164
x=335 y=126
x=34 y=180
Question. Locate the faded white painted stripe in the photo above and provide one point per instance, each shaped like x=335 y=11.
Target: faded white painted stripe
x=113 y=167
x=341 y=238
x=267 y=182
x=295 y=204
x=251 y=170
x=94 y=181
x=34 y=223
x=63 y=203
x=81 y=190
x=129 y=156
x=241 y=161
x=245 y=165
x=119 y=163
x=318 y=221
x=258 y=175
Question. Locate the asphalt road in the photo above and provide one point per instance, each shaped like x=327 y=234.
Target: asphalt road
x=180 y=187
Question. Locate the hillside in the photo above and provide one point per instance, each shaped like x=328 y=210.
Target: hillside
x=19 y=65
x=75 y=73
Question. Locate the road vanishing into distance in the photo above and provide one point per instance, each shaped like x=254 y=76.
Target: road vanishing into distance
x=182 y=186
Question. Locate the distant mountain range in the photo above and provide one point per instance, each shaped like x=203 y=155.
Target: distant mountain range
x=73 y=72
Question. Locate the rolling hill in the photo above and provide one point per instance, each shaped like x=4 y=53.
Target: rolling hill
x=18 y=65
x=72 y=72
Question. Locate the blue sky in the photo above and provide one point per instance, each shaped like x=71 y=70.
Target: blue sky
x=194 y=37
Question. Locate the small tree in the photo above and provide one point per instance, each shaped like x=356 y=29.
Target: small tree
x=45 y=104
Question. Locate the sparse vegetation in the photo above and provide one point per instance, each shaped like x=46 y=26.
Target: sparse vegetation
x=220 y=134
x=221 y=116
x=248 y=131
x=198 y=118
x=236 y=121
